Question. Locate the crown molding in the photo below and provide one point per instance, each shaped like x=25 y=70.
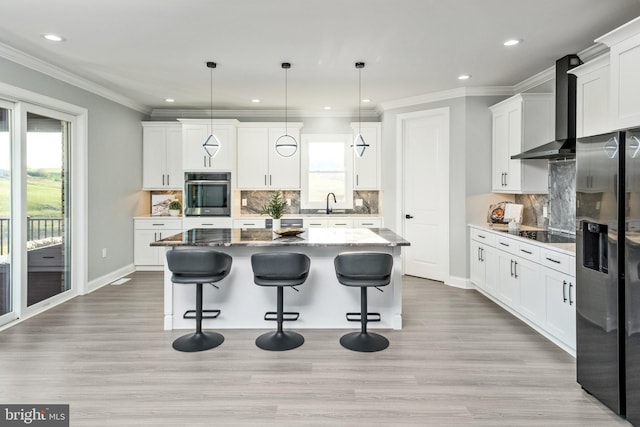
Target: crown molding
x=26 y=60
x=167 y=113
x=428 y=98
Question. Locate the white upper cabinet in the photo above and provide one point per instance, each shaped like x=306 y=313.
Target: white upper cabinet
x=161 y=156
x=194 y=134
x=366 y=169
x=624 y=56
x=259 y=165
x=520 y=123
x=592 y=97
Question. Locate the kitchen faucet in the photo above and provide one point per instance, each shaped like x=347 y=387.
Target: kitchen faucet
x=334 y=201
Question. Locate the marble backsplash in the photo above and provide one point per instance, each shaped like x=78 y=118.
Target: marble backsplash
x=561 y=200
x=256 y=199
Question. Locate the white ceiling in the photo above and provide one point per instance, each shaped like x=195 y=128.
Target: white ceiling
x=148 y=50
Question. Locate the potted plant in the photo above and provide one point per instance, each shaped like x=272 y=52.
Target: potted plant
x=174 y=207
x=275 y=208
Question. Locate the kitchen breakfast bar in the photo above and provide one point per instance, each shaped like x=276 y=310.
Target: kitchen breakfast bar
x=321 y=301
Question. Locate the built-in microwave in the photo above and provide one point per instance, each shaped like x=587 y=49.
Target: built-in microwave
x=207 y=194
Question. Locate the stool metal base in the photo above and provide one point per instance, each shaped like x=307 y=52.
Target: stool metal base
x=198 y=341
x=279 y=341
x=367 y=341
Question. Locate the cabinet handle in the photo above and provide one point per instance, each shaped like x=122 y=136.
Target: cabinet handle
x=357 y=180
x=155 y=236
x=163 y=179
x=481 y=236
x=526 y=252
x=265 y=180
x=206 y=224
x=209 y=161
x=511 y=268
x=570 y=300
x=160 y=233
x=204 y=161
x=479 y=258
x=269 y=179
x=505 y=244
x=168 y=179
x=564 y=287
x=340 y=223
x=553 y=260
x=158 y=225
x=481 y=254
x=506 y=181
x=311 y=223
x=515 y=269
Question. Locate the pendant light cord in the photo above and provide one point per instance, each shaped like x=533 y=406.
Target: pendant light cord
x=359 y=101
x=286 y=96
x=211 y=99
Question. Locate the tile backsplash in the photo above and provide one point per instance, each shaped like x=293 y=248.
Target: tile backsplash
x=370 y=202
x=561 y=200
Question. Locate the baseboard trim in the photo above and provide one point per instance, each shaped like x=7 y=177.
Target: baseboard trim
x=459 y=282
x=101 y=281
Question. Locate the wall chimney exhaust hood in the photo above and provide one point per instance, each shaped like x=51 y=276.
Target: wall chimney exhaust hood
x=564 y=145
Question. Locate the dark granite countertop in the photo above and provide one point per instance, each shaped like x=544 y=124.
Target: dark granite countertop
x=265 y=237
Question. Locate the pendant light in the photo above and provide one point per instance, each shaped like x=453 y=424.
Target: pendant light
x=212 y=143
x=286 y=145
x=359 y=144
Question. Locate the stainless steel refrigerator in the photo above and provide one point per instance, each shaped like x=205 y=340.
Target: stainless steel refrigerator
x=607 y=269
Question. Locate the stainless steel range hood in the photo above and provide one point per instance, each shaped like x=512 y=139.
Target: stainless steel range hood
x=564 y=145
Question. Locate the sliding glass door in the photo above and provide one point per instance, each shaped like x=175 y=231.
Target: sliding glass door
x=6 y=304
x=47 y=196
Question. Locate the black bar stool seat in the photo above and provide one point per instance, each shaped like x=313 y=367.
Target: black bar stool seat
x=280 y=269
x=364 y=270
x=199 y=266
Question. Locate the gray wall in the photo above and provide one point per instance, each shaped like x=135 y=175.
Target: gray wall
x=114 y=166
x=469 y=176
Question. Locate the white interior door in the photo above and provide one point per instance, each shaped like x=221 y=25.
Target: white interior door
x=424 y=136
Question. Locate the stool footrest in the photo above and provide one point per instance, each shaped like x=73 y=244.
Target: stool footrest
x=287 y=316
x=191 y=314
x=357 y=317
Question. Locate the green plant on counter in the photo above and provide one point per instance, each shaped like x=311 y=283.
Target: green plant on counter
x=276 y=206
x=175 y=205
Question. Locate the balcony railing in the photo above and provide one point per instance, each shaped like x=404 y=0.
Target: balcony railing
x=37 y=229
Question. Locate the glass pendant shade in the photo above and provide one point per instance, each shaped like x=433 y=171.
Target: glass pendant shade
x=359 y=145
x=286 y=145
x=211 y=145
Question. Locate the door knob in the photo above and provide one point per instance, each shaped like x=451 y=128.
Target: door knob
x=407 y=216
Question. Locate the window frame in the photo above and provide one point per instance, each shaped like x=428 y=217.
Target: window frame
x=306 y=140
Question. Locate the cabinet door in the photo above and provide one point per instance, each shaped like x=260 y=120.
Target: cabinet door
x=513 y=176
x=366 y=169
x=625 y=87
x=592 y=101
x=253 y=163
x=284 y=172
x=476 y=266
x=500 y=148
x=195 y=157
x=532 y=290
x=154 y=157
x=144 y=254
x=561 y=306
x=507 y=290
x=175 y=177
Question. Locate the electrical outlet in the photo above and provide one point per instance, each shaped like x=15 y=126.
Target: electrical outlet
x=545 y=212
x=244 y=202
x=288 y=202
x=358 y=202
x=104 y=252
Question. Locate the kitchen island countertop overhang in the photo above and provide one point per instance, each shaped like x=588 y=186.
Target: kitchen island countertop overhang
x=322 y=300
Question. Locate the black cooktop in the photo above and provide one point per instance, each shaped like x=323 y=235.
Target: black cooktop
x=544 y=236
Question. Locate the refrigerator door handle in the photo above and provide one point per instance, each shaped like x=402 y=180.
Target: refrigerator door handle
x=570 y=300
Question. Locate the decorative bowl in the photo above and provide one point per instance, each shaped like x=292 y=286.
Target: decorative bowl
x=289 y=231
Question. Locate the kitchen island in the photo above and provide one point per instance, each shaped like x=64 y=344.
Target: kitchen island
x=322 y=301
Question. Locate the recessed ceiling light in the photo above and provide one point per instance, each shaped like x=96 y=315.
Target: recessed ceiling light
x=366 y=100
x=169 y=100
x=511 y=42
x=53 y=37
x=327 y=108
x=464 y=77
x=255 y=100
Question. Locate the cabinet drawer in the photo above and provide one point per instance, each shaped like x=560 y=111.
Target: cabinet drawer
x=313 y=223
x=367 y=223
x=248 y=223
x=527 y=251
x=158 y=224
x=558 y=261
x=206 y=222
x=483 y=236
x=340 y=223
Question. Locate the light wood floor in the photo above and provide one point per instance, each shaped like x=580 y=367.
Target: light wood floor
x=459 y=361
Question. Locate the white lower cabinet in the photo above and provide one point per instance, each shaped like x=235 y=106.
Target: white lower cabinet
x=206 y=222
x=147 y=231
x=338 y=222
x=535 y=282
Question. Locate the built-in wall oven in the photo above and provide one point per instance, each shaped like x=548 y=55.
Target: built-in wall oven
x=207 y=194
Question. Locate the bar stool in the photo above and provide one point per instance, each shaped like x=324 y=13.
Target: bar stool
x=199 y=266
x=363 y=269
x=280 y=269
